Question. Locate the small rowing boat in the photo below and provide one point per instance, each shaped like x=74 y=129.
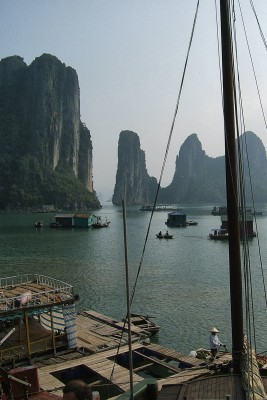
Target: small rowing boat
x=164 y=236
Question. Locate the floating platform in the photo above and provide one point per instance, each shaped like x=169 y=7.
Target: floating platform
x=101 y=358
x=39 y=328
x=100 y=362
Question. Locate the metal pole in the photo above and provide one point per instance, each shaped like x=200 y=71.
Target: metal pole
x=128 y=301
x=232 y=188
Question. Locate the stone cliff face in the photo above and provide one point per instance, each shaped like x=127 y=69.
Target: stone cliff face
x=199 y=178
x=133 y=183
x=255 y=166
x=40 y=114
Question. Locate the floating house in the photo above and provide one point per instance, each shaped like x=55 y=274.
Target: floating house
x=78 y=220
x=84 y=220
x=248 y=224
x=176 y=219
x=65 y=220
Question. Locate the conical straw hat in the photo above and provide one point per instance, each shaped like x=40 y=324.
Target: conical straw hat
x=214 y=330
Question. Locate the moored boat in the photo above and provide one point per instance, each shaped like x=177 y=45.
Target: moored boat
x=38 y=224
x=219 y=234
x=191 y=223
x=160 y=207
x=100 y=224
x=222 y=210
x=144 y=322
x=55 y=225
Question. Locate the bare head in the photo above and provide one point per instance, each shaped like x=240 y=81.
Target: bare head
x=77 y=390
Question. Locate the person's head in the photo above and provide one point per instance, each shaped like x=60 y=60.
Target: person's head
x=214 y=331
x=77 y=390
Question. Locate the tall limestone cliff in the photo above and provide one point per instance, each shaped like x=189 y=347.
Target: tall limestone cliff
x=46 y=151
x=199 y=178
x=133 y=183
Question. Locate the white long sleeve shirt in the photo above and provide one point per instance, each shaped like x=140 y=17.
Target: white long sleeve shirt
x=215 y=342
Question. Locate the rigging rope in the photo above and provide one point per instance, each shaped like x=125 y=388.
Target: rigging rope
x=250 y=372
x=241 y=150
x=161 y=173
x=167 y=148
x=251 y=60
x=245 y=152
x=261 y=32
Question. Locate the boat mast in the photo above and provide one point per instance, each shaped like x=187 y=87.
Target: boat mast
x=231 y=186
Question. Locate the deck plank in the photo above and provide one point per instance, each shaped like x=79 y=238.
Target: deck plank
x=175 y=355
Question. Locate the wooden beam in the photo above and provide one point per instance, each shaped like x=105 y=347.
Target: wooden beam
x=27 y=333
x=155 y=360
x=53 y=333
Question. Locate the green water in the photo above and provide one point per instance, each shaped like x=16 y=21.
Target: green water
x=183 y=283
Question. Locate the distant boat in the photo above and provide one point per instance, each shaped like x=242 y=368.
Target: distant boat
x=223 y=211
x=191 y=223
x=160 y=207
x=100 y=224
x=164 y=236
x=219 y=234
x=219 y=211
x=55 y=225
x=38 y=224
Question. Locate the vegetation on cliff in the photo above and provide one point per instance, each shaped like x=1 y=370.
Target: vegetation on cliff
x=45 y=152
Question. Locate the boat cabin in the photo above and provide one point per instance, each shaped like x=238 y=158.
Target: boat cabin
x=176 y=219
x=37 y=316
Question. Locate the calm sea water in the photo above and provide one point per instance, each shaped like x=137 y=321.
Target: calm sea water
x=183 y=283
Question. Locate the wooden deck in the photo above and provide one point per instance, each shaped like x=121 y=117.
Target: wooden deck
x=171 y=354
x=98 y=340
x=97 y=332
x=210 y=388
x=100 y=336
x=97 y=363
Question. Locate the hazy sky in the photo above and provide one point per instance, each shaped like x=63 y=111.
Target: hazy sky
x=129 y=56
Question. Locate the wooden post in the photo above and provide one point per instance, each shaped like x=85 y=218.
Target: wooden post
x=27 y=334
x=128 y=302
x=20 y=336
x=232 y=188
x=53 y=333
